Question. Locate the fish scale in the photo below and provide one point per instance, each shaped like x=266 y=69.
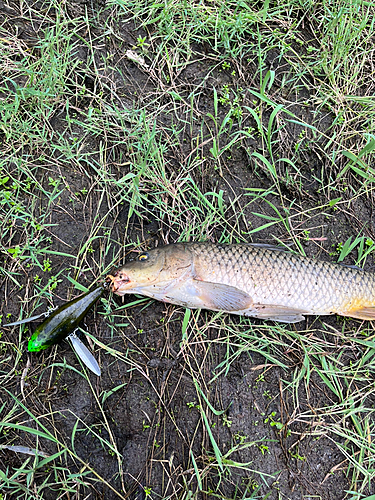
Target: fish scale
x=248 y=279
x=278 y=277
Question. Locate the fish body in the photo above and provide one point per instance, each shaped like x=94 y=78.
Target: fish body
x=63 y=321
x=248 y=279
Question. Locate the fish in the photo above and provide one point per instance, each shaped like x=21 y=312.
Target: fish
x=256 y=280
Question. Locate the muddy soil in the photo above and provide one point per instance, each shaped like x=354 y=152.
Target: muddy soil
x=148 y=398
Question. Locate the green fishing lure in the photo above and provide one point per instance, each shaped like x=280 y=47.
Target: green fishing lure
x=63 y=321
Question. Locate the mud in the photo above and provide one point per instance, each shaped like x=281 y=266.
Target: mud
x=148 y=397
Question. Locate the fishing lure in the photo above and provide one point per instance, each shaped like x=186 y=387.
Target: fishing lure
x=61 y=324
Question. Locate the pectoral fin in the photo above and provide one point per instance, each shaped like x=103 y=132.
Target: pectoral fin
x=222 y=297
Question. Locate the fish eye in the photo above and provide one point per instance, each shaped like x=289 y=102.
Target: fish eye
x=143 y=256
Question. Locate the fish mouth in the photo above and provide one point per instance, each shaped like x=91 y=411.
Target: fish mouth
x=118 y=282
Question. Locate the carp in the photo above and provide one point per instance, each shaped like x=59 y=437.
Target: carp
x=247 y=279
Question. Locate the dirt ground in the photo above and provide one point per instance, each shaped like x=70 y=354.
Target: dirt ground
x=204 y=405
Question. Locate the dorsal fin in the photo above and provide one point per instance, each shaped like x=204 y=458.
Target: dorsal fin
x=351 y=266
x=268 y=246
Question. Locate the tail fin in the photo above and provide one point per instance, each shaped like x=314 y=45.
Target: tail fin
x=365 y=313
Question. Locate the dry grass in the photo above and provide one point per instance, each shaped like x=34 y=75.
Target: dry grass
x=227 y=122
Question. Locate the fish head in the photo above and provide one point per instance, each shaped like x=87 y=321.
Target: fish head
x=151 y=270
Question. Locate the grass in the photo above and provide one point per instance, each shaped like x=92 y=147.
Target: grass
x=234 y=122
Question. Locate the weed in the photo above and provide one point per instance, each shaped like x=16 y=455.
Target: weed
x=246 y=121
